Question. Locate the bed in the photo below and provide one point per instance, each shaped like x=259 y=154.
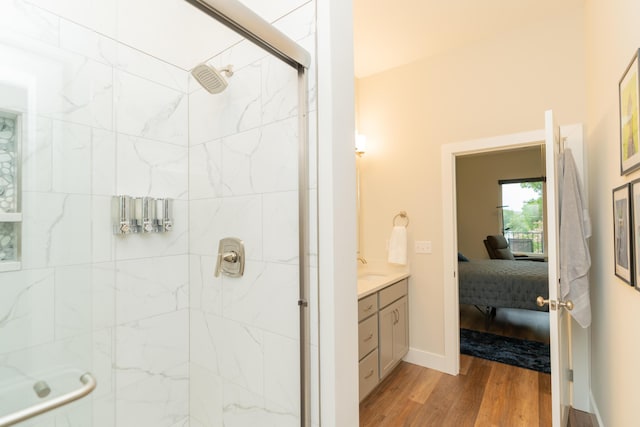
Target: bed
x=497 y=283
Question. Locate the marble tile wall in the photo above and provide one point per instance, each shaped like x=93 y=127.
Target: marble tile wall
x=243 y=182
x=100 y=118
x=170 y=344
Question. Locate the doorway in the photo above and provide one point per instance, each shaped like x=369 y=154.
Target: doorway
x=578 y=339
x=499 y=317
x=450 y=247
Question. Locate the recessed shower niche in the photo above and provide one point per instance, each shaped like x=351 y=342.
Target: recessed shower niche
x=10 y=215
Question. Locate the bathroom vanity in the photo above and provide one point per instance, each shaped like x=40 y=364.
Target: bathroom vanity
x=383 y=325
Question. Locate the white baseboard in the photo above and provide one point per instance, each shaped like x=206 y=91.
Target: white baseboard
x=428 y=360
x=595 y=411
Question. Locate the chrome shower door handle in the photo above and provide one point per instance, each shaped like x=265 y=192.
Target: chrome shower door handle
x=88 y=385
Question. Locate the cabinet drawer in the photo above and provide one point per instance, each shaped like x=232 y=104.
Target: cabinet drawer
x=367 y=336
x=393 y=292
x=367 y=306
x=368 y=374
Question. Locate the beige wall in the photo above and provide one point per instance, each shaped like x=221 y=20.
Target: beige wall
x=478 y=192
x=613 y=36
x=498 y=86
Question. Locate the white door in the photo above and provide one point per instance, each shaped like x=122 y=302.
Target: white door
x=558 y=316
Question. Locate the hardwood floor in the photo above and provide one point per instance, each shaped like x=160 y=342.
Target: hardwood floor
x=484 y=394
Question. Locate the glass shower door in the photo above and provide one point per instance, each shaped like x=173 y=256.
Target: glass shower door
x=96 y=101
x=47 y=125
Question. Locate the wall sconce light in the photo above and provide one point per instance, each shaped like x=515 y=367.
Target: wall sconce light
x=361 y=144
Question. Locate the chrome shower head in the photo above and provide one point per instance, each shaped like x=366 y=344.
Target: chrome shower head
x=210 y=78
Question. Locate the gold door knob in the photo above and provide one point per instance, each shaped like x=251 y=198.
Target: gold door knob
x=553 y=305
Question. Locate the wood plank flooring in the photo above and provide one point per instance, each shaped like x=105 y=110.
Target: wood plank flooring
x=484 y=394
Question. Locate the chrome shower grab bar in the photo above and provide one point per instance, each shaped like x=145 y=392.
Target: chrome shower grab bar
x=89 y=384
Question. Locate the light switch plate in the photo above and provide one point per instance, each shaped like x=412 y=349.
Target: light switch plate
x=423 y=246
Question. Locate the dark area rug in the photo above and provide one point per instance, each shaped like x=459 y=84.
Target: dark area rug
x=512 y=351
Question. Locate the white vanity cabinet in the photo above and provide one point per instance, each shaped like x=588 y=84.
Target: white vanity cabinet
x=383 y=333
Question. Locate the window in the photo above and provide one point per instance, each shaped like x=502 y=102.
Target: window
x=523 y=214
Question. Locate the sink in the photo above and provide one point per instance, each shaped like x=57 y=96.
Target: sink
x=371 y=276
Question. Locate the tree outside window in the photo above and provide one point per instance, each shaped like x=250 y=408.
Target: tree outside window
x=523 y=214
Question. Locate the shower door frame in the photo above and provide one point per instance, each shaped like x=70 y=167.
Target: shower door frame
x=252 y=27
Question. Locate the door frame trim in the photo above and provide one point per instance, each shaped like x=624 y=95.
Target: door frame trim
x=580 y=338
x=449 y=152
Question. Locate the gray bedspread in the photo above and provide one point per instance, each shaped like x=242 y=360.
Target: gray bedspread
x=503 y=283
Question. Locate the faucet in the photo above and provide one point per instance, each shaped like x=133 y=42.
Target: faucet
x=362 y=260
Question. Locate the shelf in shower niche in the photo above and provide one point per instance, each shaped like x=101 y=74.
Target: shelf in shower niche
x=9 y=266
x=10 y=217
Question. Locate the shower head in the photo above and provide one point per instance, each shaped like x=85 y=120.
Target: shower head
x=210 y=78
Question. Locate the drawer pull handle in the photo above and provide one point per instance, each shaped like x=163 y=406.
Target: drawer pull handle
x=366 y=377
x=369 y=337
x=368 y=308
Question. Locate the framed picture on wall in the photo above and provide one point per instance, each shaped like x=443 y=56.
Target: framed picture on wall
x=622 y=234
x=635 y=226
x=629 y=102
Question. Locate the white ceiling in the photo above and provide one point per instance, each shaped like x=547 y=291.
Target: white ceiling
x=388 y=34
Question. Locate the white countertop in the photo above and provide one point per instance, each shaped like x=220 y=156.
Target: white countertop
x=374 y=276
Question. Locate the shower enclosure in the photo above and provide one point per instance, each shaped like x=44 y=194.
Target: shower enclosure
x=97 y=101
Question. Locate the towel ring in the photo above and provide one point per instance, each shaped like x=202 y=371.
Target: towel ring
x=402 y=214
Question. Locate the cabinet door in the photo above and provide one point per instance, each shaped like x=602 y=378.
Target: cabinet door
x=393 y=343
x=386 y=319
x=401 y=329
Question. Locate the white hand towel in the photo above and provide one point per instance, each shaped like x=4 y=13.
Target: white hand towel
x=398 y=245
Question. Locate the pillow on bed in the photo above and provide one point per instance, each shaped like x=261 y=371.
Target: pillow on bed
x=462 y=257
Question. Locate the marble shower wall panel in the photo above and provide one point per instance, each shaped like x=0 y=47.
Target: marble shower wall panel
x=56 y=229
x=26 y=309
x=126 y=121
x=149 y=110
x=106 y=118
x=151 y=276
x=147 y=167
x=261 y=160
x=149 y=287
x=205 y=170
x=212 y=219
x=244 y=298
x=205 y=291
x=243 y=182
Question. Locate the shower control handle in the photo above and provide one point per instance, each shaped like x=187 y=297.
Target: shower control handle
x=230 y=261
x=230 y=256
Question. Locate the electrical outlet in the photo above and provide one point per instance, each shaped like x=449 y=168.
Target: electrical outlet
x=423 y=246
